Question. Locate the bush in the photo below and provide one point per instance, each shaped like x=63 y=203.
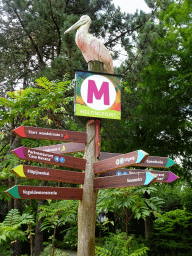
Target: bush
x=118 y=245
x=48 y=251
x=173 y=235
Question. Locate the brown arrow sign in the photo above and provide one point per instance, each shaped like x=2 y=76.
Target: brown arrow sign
x=64 y=148
x=150 y=161
x=49 y=158
x=50 y=134
x=119 y=161
x=39 y=173
x=30 y=192
x=129 y=180
x=162 y=176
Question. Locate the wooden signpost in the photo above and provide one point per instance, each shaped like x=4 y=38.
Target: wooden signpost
x=162 y=176
x=149 y=161
x=50 y=134
x=97 y=94
x=119 y=161
x=128 y=180
x=31 y=192
x=63 y=148
x=49 y=158
x=39 y=173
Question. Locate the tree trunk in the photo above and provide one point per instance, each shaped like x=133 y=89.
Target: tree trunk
x=148 y=221
x=15 y=248
x=38 y=246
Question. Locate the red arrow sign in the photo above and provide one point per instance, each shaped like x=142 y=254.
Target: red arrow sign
x=119 y=161
x=30 y=192
x=39 y=173
x=129 y=180
x=49 y=158
x=50 y=134
x=162 y=176
x=64 y=148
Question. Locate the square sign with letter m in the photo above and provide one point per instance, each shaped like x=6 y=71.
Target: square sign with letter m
x=97 y=95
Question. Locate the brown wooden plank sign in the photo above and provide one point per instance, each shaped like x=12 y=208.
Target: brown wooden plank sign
x=49 y=158
x=30 y=192
x=157 y=161
x=162 y=176
x=39 y=173
x=128 y=180
x=150 y=161
x=63 y=148
x=50 y=134
x=119 y=161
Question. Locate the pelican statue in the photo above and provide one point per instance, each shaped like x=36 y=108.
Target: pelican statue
x=91 y=47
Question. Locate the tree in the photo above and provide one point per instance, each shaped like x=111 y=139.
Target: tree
x=32 y=106
x=166 y=86
x=33 y=43
x=172 y=236
x=156 y=101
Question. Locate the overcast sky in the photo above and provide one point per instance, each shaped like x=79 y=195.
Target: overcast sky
x=130 y=6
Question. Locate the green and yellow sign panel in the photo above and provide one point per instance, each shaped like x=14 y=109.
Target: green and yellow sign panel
x=97 y=95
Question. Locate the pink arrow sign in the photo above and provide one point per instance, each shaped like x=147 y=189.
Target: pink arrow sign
x=49 y=158
x=162 y=176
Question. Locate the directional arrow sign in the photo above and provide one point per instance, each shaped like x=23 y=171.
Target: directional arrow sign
x=119 y=161
x=64 y=148
x=49 y=158
x=162 y=176
x=50 y=134
x=30 y=192
x=39 y=173
x=150 y=161
x=129 y=180
x=158 y=162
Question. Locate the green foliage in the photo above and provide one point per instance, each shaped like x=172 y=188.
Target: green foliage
x=47 y=251
x=11 y=228
x=173 y=235
x=100 y=251
x=129 y=198
x=187 y=198
x=58 y=214
x=172 y=194
x=165 y=104
x=71 y=236
x=47 y=102
x=118 y=244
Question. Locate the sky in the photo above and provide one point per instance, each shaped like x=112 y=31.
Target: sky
x=130 y=6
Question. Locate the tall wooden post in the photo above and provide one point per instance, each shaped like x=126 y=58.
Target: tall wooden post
x=87 y=207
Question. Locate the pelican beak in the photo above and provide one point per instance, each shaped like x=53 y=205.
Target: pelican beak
x=75 y=26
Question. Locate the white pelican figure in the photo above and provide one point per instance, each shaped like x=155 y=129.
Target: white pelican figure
x=91 y=47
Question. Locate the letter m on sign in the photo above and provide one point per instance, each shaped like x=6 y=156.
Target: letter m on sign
x=103 y=91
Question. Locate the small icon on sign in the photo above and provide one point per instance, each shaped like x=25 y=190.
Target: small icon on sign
x=62 y=159
x=56 y=159
x=117 y=162
x=66 y=136
x=121 y=160
x=63 y=149
x=119 y=173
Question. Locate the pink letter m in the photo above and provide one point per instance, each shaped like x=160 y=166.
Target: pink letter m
x=92 y=89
